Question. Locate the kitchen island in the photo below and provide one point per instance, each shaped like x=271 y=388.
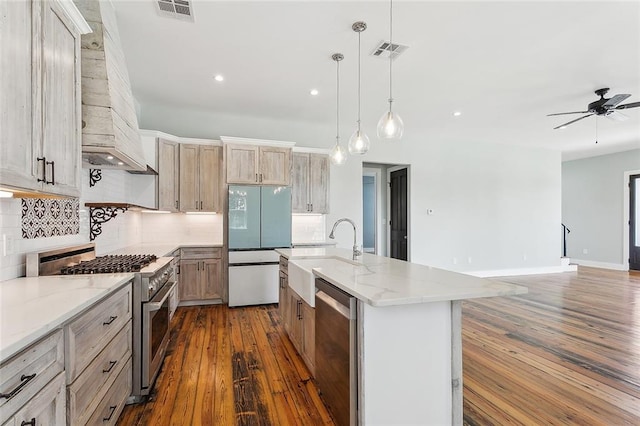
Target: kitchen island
x=409 y=343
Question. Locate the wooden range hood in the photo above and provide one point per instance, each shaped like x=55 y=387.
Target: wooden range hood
x=110 y=133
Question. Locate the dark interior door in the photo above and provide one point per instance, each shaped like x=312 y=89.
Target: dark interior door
x=399 y=214
x=634 y=222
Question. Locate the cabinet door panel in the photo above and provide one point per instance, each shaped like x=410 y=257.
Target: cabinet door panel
x=48 y=407
x=19 y=146
x=168 y=166
x=300 y=183
x=209 y=166
x=309 y=336
x=319 y=183
x=60 y=101
x=212 y=285
x=189 y=178
x=242 y=163
x=275 y=166
x=190 y=279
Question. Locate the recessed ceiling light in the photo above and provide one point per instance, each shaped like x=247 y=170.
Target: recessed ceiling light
x=120 y=163
x=457 y=114
x=562 y=127
x=109 y=157
x=218 y=78
x=314 y=92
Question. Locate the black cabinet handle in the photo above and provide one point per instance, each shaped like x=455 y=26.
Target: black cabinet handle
x=112 y=409
x=111 y=365
x=44 y=169
x=311 y=206
x=111 y=319
x=23 y=382
x=176 y=204
x=178 y=270
x=256 y=177
x=31 y=422
x=53 y=173
x=260 y=177
x=200 y=205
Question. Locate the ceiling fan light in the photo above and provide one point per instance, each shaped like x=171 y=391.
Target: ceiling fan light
x=338 y=156
x=359 y=143
x=390 y=126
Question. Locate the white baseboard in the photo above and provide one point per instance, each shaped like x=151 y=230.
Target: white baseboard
x=603 y=265
x=523 y=271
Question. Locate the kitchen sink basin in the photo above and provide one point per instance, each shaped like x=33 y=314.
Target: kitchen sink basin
x=302 y=280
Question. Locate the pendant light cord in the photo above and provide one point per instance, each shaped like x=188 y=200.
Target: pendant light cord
x=337 y=102
x=359 y=33
x=390 y=51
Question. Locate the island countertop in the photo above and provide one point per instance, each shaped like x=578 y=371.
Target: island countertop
x=32 y=307
x=383 y=281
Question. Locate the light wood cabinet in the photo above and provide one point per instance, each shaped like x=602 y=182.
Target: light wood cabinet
x=261 y=165
x=25 y=375
x=283 y=295
x=46 y=408
x=168 y=161
x=199 y=178
x=40 y=106
x=300 y=326
x=98 y=360
x=200 y=274
x=310 y=183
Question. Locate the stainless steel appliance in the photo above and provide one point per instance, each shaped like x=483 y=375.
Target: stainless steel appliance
x=336 y=352
x=154 y=279
x=259 y=220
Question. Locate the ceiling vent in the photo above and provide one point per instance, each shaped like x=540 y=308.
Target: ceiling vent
x=179 y=9
x=386 y=50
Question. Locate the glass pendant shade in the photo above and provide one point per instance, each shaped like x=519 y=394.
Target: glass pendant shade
x=390 y=126
x=359 y=143
x=338 y=156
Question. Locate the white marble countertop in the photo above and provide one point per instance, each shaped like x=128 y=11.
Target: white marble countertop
x=30 y=308
x=313 y=244
x=382 y=281
x=159 y=249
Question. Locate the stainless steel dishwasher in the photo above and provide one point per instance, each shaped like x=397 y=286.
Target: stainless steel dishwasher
x=336 y=352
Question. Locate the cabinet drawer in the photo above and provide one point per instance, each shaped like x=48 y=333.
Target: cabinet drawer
x=200 y=253
x=90 y=387
x=47 y=407
x=284 y=265
x=27 y=373
x=111 y=405
x=90 y=333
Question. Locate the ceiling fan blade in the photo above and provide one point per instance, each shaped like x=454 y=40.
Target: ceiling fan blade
x=615 y=100
x=627 y=106
x=617 y=116
x=572 y=121
x=565 y=113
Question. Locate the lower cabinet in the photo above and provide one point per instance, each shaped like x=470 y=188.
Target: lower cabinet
x=46 y=408
x=200 y=274
x=300 y=325
x=283 y=294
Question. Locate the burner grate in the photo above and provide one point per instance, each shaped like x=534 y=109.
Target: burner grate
x=110 y=264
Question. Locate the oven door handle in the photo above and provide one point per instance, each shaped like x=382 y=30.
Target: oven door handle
x=153 y=306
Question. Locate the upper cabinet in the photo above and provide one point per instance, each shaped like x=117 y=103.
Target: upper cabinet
x=261 y=165
x=168 y=175
x=199 y=178
x=40 y=103
x=310 y=183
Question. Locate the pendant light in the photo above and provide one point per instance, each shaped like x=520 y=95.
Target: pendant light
x=390 y=125
x=338 y=155
x=359 y=141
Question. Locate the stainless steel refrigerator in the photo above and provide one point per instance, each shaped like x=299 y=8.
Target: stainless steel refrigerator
x=259 y=221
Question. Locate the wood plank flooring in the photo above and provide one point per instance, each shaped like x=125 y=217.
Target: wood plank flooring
x=566 y=353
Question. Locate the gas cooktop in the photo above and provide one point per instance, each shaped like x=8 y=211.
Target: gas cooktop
x=110 y=264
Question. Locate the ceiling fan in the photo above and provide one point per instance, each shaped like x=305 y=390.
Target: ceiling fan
x=604 y=106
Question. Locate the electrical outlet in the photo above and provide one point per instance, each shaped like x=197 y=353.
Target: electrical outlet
x=469 y=259
x=585 y=251
x=455 y=260
x=524 y=257
x=7 y=245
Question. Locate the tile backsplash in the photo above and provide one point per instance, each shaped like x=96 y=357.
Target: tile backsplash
x=42 y=217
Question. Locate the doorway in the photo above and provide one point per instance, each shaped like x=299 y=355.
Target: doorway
x=398 y=218
x=634 y=222
x=369 y=212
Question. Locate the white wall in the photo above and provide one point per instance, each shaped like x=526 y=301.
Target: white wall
x=593 y=193
x=495 y=206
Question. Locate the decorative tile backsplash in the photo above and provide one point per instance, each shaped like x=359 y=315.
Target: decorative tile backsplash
x=48 y=218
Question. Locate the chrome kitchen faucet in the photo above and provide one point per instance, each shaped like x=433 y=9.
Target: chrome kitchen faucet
x=356 y=252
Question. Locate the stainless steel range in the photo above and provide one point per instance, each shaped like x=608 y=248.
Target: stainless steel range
x=154 y=280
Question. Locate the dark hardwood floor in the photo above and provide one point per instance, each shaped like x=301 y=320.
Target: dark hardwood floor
x=566 y=353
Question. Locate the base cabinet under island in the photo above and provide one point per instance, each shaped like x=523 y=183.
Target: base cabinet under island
x=406 y=355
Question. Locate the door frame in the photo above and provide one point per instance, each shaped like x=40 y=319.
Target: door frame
x=375 y=173
x=389 y=171
x=626 y=218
